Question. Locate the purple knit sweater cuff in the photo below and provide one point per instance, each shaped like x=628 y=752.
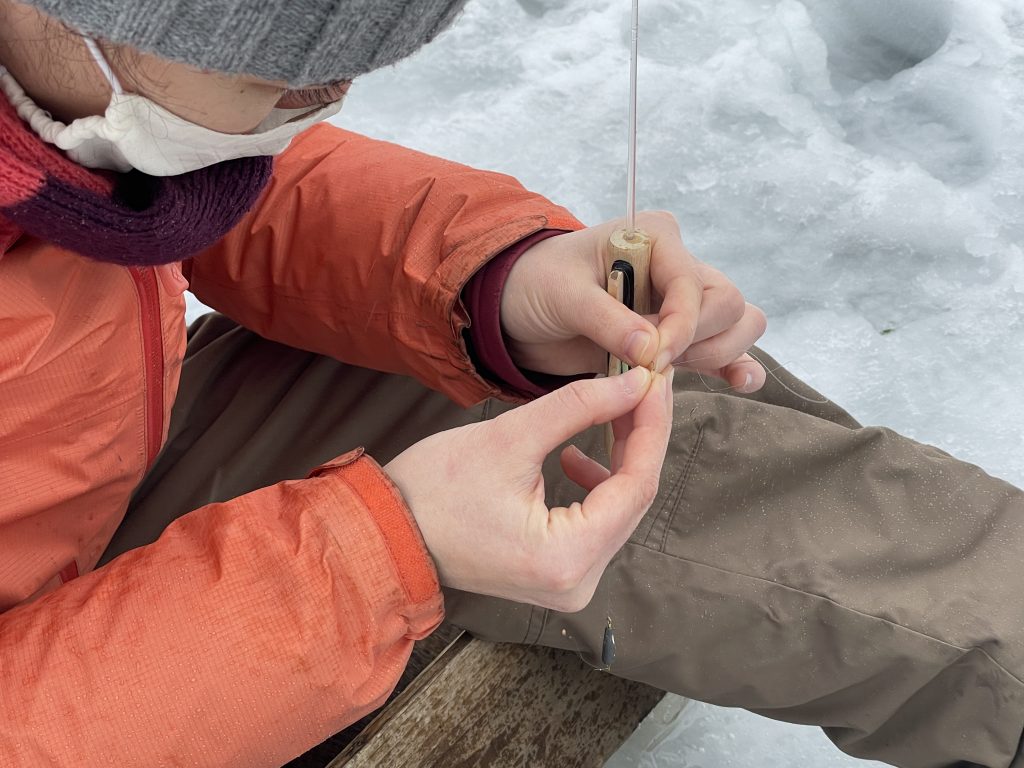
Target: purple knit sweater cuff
x=482 y=297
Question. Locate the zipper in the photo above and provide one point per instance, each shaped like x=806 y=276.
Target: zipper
x=153 y=357
x=147 y=288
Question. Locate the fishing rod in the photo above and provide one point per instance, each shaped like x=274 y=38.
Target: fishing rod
x=628 y=255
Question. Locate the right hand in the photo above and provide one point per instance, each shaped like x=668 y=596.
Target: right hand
x=477 y=491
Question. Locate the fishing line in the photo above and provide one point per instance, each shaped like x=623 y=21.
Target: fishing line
x=784 y=385
x=768 y=370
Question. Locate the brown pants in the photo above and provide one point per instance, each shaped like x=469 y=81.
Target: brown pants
x=794 y=563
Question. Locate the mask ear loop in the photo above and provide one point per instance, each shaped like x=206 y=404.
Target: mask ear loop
x=104 y=65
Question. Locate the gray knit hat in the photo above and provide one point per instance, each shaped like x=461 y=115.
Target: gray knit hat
x=302 y=42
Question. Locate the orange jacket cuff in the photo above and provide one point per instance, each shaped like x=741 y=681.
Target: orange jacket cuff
x=401 y=536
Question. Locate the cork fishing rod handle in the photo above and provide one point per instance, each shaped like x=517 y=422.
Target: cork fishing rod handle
x=637 y=251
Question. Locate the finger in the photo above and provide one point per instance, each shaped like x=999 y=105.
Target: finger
x=722 y=305
x=582 y=469
x=562 y=358
x=613 y=509
x=621 y=427
x=539 y=427
x=719 y=351
x=675 y=277
x=745 y=375
x=612 y=326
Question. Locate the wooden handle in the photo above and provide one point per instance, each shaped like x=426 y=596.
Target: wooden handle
x=637 y=251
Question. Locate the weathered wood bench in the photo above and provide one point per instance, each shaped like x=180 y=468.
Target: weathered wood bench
x=494 y=706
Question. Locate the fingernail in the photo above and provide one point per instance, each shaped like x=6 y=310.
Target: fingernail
x=637 y=380
x=747 y=382
x=636 y=346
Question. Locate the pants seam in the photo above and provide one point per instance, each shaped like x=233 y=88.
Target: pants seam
x=485 y=411
x=846 y=608
x=544 y=614
x=678 y=491
x=526 y=632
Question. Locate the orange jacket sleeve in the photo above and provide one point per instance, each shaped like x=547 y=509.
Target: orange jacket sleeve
x=250 y=631
x=359 y=250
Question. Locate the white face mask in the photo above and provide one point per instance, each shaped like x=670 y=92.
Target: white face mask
x=136 y=132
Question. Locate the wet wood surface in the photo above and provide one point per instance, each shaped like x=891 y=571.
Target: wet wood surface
x=424 y=652
x=482 y=704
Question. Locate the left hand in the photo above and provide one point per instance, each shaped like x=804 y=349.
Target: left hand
x=559 y=318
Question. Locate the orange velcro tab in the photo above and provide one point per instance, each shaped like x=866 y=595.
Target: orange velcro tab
x=415 y=568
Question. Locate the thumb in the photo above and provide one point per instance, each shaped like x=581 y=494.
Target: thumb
x=614 y=327
x=551 y=420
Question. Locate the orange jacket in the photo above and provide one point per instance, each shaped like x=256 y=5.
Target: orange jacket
x=195 y=650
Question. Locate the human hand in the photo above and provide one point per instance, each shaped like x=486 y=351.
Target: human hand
x=559 y=318
x=477 y=491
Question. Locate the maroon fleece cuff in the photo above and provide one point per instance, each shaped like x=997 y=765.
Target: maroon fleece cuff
x=482 y=297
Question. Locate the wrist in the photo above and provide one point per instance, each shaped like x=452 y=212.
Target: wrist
x=488 y=344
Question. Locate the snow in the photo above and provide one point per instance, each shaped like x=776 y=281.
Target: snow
x=688 y=734
x=856 y=168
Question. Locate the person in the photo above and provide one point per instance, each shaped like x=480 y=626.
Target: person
x=232 y=581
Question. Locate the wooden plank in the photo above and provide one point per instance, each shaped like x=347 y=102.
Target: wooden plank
x=489 y=705
x=424 y=652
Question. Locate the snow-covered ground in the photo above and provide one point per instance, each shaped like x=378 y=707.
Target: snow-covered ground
x=856 y=167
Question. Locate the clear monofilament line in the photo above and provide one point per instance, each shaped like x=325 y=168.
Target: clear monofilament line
x=631 y=156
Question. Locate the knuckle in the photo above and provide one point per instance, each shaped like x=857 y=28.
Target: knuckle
x=661 y=218
x=735 y=304
x=689 y=281
x=709 y=274
x=760 y=320
x=712 y=355
x=686 y=328
x=575 y=602
x=647 y=491
x=576 y=396
x=563 y=579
